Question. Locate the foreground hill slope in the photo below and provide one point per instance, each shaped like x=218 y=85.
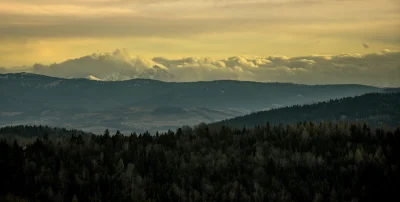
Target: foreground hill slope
x=375 y=108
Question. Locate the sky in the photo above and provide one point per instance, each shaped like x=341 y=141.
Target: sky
x=55 y=31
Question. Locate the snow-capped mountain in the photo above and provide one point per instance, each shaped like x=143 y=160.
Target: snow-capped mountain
x=91 y=77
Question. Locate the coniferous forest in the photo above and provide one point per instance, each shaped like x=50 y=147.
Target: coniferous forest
x=374 y=108
x=306 y=162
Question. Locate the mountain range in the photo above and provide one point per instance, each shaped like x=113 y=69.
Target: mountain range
x=145 y=104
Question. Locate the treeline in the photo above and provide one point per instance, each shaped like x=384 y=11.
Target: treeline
x=375 y=108
x=299 y=162
x=38 y=131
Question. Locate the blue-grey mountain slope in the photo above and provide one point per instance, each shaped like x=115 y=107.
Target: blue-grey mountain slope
x=144 y=104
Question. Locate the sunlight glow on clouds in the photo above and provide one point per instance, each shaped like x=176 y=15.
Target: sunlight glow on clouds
x=51 y=31
x=378 y=69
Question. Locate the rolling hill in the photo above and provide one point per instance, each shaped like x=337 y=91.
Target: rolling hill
x=375 y=108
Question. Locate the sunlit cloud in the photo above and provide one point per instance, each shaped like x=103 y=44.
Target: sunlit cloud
x=49 y=31
x=378 y=69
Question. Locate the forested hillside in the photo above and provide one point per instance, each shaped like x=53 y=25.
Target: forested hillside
x=374 y=108
x=302 y=162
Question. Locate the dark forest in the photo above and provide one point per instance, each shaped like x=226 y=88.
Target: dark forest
x=307 y=161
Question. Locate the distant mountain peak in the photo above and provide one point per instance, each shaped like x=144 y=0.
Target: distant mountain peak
x=91 y=77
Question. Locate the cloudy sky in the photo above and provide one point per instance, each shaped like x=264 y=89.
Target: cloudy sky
x=53 y=31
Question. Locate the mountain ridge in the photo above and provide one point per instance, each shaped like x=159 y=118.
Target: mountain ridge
x=90 y=78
